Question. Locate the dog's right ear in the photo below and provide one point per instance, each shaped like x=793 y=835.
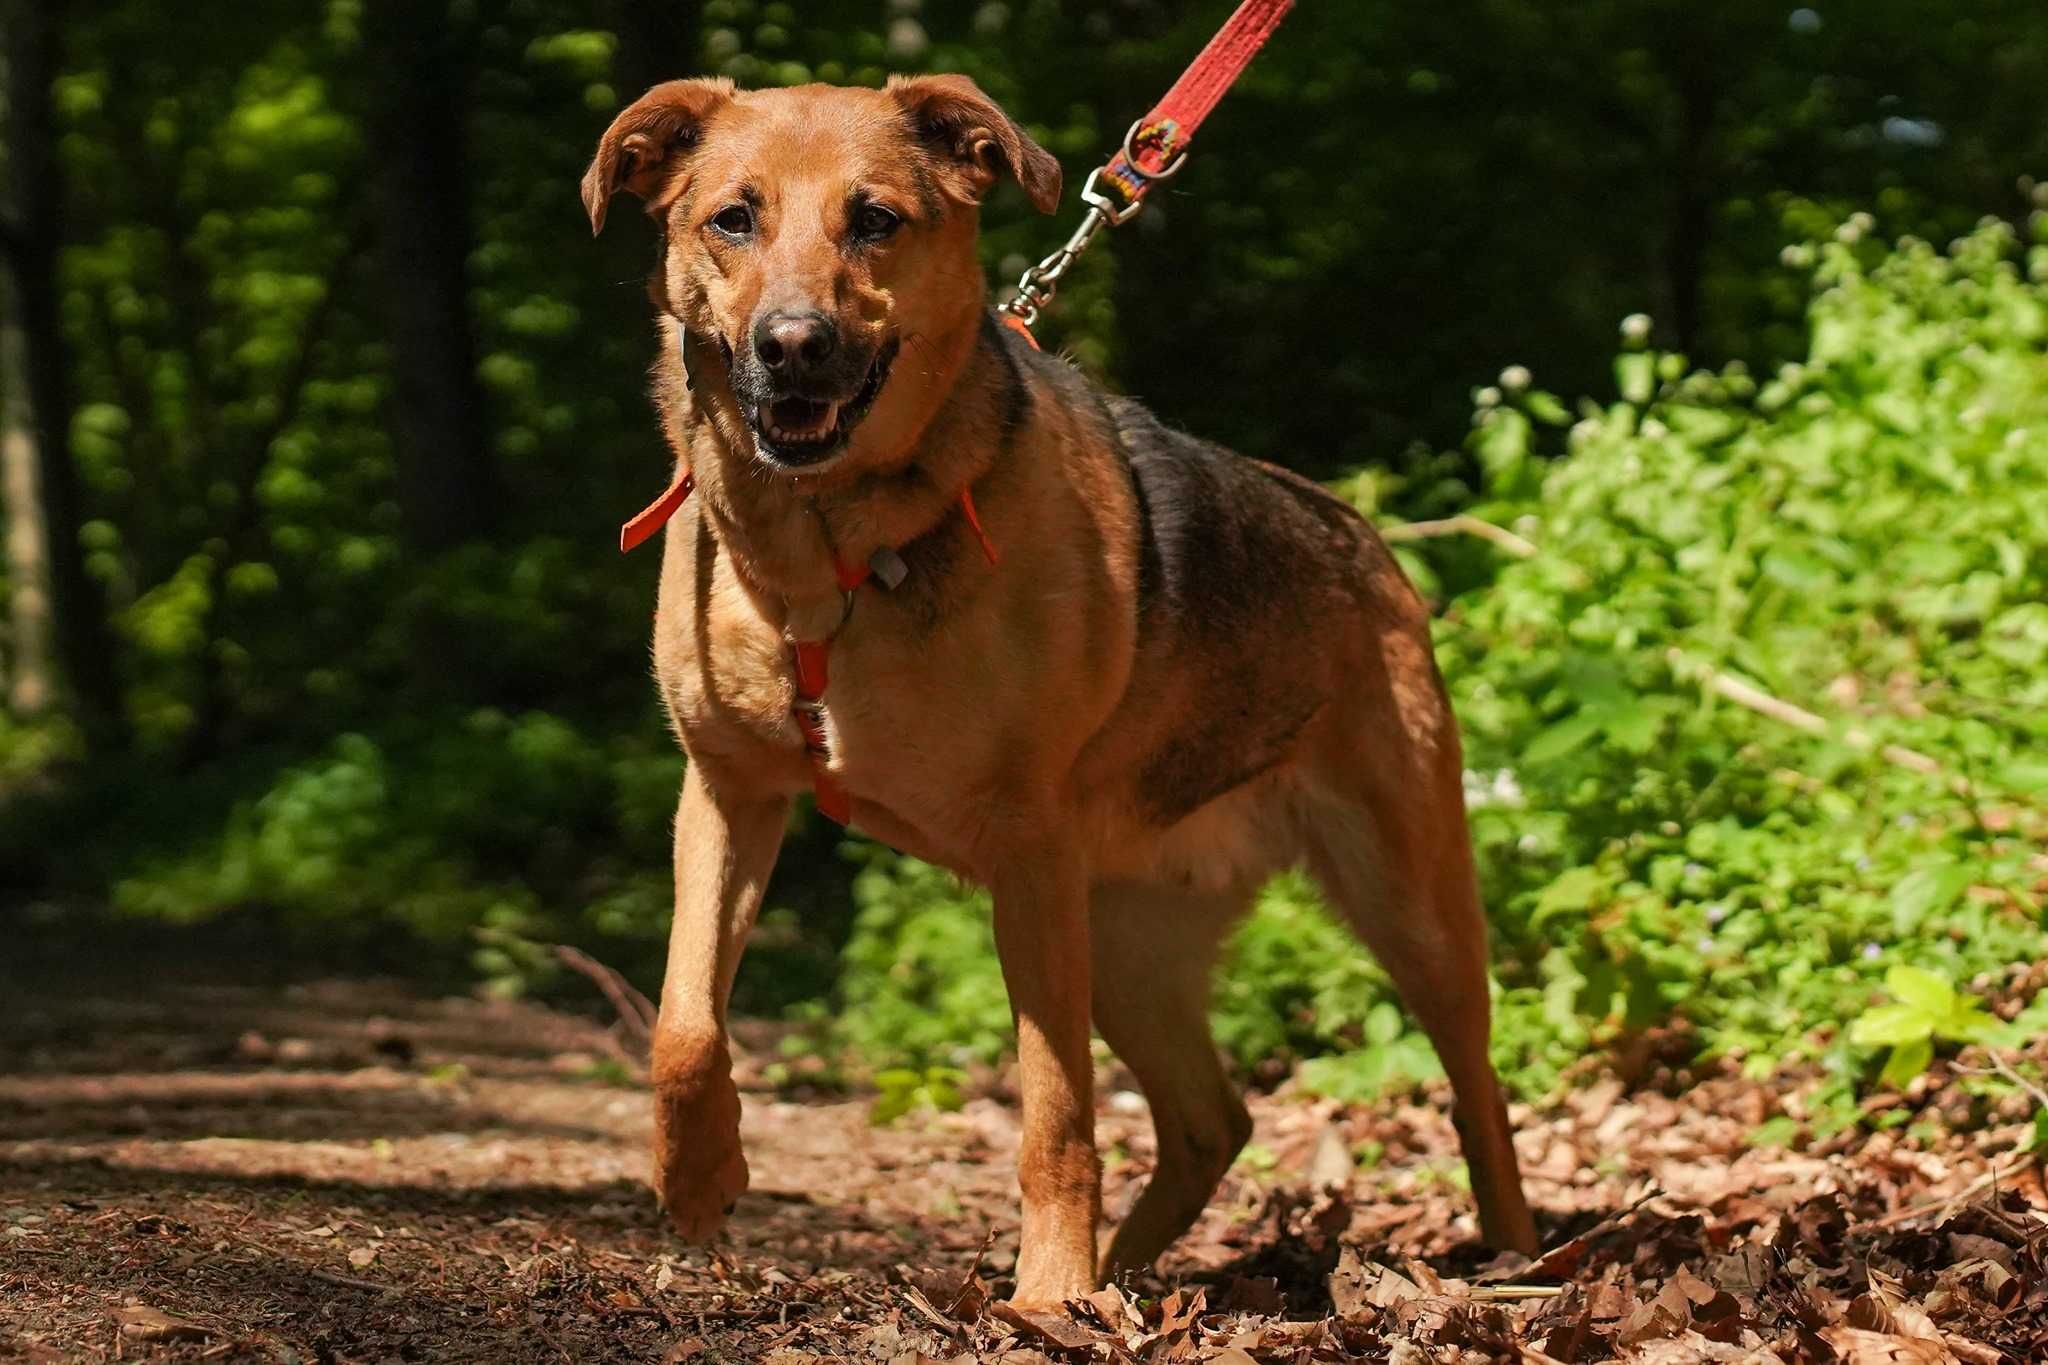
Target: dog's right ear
x=644 y=147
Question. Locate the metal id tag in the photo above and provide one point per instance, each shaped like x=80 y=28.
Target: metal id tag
x=889 y=567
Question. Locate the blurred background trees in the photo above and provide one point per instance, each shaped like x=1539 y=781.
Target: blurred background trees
x=321 y=408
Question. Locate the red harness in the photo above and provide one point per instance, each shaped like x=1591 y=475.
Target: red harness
x=811 y=656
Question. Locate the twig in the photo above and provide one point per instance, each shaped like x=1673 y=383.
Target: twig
x=1560 y=1259
x=1463 y=524
x=1494 y=1293
x=1967 y=1193
x=2011 y=1073
x=1799 y=718
x=913 y=1296
x=636 y=1011
x=541 y=1330
x=351 y=1282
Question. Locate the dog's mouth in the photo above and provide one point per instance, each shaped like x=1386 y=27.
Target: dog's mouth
x=803 y=431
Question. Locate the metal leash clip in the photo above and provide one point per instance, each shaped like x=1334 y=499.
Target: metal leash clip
x=1036 y=287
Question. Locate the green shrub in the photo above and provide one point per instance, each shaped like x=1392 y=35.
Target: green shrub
x=1864 y=534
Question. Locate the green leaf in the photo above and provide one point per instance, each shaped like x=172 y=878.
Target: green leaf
x=2028 y=775
x=1562 y=738
x=1632 y=726
x=1383 y=1024
x=1635 y=374
x=1927 y=891
x=1966 y=1022
x=889 y=1107
x=1926 y=992
x=1503 y=443
x=1891 y=1026
x=1574 y=892
x=1907 y=1061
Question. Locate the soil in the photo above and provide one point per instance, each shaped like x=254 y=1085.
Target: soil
x=349 y=1171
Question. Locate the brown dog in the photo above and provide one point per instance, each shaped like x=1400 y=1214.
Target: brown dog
x=1186 y=672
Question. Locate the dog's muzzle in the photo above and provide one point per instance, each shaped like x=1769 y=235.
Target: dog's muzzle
x=800 y=396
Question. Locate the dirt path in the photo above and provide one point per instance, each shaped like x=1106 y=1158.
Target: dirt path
x=345 y=1172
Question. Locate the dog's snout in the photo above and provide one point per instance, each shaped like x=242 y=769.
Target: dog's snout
x=791 y=345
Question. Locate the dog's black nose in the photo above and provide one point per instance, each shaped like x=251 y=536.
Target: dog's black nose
x=791 y=345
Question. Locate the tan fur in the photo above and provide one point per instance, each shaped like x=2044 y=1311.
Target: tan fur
x=1026 y=723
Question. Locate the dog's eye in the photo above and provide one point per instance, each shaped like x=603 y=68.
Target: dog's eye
x=736 y=220
x=872 y=222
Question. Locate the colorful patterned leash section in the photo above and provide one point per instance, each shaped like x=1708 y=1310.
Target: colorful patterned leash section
x=1155 y=144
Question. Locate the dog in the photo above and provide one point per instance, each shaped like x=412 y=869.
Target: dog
x=1117 y=675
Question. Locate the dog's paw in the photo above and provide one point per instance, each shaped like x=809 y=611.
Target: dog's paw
x=1050 y=1293
x=699 y=1170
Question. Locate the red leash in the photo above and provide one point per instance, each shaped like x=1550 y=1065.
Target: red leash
x=1156 y=143
x=1154 y=148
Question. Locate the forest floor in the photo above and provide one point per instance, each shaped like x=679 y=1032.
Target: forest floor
x=346 y=1171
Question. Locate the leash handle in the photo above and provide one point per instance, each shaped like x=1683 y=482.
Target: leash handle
x=1154 y=148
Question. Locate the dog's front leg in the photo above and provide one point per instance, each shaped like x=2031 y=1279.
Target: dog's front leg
x=725 y=848
x=1041 y=908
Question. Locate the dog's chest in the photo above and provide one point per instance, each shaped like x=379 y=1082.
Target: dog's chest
x=907 y=712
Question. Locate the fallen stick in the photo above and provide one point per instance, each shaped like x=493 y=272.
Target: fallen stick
x=636 y=1011
x=1563 y=1258
x=1460 y=525
x=1798 y=717
x=1968 y=1192
x=1496 y=1293
x=2011 y=1073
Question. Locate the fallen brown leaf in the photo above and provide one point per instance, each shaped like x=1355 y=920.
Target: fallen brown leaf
x=143 y=1323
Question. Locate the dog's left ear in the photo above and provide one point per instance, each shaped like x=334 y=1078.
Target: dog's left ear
x=646 y=143
x=958 y=121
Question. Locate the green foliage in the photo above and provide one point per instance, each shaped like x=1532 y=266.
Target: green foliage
x=455 y=746
x=1926 y=1009
x=468 y=832
x=901 y=1091
x=1863 y=534
x=918 y=978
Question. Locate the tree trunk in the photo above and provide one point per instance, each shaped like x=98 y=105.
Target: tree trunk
x=418 y=89
x=41 y=407
x=29 y=685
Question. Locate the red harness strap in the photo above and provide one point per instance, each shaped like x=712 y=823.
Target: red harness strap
x=809 y=709
x=812 y=656
x=655 y=515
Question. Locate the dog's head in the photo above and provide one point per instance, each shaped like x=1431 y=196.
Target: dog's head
x=822 y=240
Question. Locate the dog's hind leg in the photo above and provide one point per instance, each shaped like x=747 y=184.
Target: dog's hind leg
x=1154 y=951
x=1397 y=864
